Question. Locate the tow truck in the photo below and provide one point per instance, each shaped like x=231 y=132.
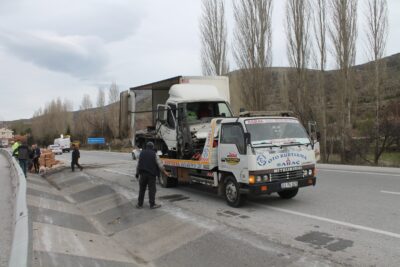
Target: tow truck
x=251 y=154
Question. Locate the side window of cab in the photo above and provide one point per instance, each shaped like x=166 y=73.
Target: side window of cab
x=233 y=134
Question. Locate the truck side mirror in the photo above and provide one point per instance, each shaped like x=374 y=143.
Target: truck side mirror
x=313 y=133
x=247 y=138
x=162 y=113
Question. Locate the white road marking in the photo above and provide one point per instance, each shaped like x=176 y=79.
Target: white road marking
x=323 y=219
x=370 y=173
x=390 y=192
x=117 y=172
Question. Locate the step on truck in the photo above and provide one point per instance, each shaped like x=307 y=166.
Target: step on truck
x=200 y=141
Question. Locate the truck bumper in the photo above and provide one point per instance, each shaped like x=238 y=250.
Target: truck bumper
x=276 y=186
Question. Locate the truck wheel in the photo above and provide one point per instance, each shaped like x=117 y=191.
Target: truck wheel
x=288 y=194
x=232 y=193
x=167 y=181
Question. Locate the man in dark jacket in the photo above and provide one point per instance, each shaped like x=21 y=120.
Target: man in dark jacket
x=36 y=156
x=148 y=167
x=22 y=153
x=75 y=158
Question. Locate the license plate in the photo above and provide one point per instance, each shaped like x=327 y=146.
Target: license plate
x=289 y=185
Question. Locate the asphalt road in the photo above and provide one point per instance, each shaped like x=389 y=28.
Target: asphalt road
x=351 y=217
x=6 y=211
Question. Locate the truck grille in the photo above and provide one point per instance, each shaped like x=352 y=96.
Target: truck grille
x=287 y=175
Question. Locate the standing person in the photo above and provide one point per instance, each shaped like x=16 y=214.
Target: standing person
x=22 y=153
x=75 y=157
x=14 y=148
x=31 y=155
x=148 y=167
x=36 y=156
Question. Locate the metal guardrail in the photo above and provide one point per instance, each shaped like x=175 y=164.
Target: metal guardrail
x=20 y=244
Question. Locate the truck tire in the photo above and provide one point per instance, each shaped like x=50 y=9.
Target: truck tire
x=232 y=193
x=288 y=194
x=166 y=181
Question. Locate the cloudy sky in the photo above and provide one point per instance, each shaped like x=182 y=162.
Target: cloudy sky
x=68 y=48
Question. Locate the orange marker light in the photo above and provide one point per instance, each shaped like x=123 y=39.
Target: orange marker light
x=252 y=179
x=264 y=188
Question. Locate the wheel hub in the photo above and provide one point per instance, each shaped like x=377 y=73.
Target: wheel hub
x=231 y=192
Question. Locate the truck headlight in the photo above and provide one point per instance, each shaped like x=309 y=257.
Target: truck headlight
x=310 y=173
x=258 y=179
x=266 y=178
x=252 y=179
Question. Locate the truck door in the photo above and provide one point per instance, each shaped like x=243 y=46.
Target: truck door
x=232 y=150
x=168 y=126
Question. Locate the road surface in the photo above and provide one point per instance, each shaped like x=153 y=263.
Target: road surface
x=350 y=218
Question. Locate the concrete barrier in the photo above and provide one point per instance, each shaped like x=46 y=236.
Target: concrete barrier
x=20 y=251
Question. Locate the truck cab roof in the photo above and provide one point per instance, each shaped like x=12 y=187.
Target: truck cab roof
x=242 y=119
x=194 y=93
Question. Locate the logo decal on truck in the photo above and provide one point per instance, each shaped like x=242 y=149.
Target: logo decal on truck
x=288 y=162
x=261 y=160
x=232 y=159
x=295 y=155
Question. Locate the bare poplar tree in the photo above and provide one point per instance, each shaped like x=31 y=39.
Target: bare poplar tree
x=320 y=30
x=377 y=29
x=51 y=121
x=100 y=116
x=252 y=49
x=298 y=17
x=213 y=34
x=86 y=102
x=284 y=89
x=84 y=121
x=113 y=93
x=343 y=32
x=101 y=98
x=113 y=110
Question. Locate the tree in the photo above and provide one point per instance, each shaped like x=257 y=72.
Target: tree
x=113 y=112
x=84 y=121
x=252 y=49
x=100 y=116
x=343 y=32
x=51 y=121
x=113 y=93
x=298 y=49
x=101 y=98
x=377 y=28
x=86 y=102
x=213 y=35
x=320 y=30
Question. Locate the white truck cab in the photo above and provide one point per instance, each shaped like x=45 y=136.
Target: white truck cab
x=266 y=154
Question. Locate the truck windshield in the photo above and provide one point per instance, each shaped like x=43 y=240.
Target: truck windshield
x=200 y=110
x=265 y=132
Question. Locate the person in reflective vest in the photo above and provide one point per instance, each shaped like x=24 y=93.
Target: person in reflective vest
x=15 y=148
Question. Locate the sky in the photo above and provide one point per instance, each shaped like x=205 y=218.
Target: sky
x=67 y=48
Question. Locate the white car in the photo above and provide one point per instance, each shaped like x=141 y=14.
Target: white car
x=56 y=149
